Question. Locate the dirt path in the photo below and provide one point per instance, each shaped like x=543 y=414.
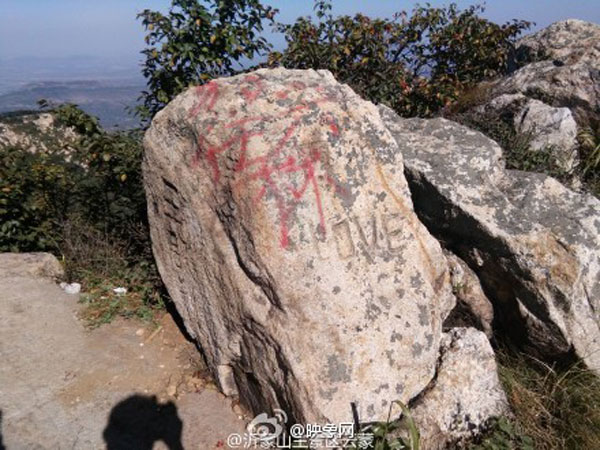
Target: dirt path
x=122 y=386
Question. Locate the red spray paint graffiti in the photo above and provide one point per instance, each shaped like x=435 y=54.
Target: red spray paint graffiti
x=207 y=96
x=271 y=169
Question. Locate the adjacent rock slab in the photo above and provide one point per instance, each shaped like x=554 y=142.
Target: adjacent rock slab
x=451 y=413
x=534 y=244
x=284 y=230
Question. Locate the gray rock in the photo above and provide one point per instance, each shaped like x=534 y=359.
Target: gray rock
x=560 y=40
x=44 y=265
x=284 y=230
x=533 y=243
x=467 y=392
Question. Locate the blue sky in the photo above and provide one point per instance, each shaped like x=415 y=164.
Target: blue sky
x=107 y=28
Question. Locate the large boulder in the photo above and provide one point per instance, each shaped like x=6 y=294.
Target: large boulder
x=534 y=244
x=284 y=230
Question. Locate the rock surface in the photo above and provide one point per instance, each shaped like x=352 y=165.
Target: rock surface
x=449 y=414
x=550 y=128
x=533 y=243
x=570 y=76
x=284 y=230
x=473 y=308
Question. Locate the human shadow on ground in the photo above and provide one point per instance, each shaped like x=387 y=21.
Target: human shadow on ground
x=2 y=447
x=139 y=421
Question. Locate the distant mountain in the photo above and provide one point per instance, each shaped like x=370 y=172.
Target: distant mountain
x=103 y=87
x=107 y=100
x=17 y=72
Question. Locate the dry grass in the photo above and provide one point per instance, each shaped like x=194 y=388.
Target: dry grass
x=101 y=263
x=557 y=408
x=589 y=152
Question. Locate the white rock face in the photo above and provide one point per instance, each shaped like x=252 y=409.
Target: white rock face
x=561 y=39
x=534 y=244
x=36 y=132
x=449 y=414
x=284 y=230
x=550 y=128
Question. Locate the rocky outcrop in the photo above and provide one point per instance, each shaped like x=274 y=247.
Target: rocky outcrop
x=35 y=132
x=448 y=415
x=562 y=41
x=569 y=72
x=533 y=243
x=548 y=101
x=284 y=230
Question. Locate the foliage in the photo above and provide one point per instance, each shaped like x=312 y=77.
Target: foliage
x=110 y=191
x=558 y=407
x=416 y=64
x=86 y=203
x=197 y=41
x=35 y=195
x=504 y=435
x=395 y=435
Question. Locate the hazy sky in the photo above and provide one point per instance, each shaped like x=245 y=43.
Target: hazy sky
x=107 y=28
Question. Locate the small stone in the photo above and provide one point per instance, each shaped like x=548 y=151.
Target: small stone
x=140 y=332
x=171 y=390
x=120 y=290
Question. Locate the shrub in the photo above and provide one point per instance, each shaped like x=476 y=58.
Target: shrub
x=516 y=144
x=110 y=194
x=504 y=434
x=35 y=197
x=416 y=64
x=85 y=203
x=197 y=41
